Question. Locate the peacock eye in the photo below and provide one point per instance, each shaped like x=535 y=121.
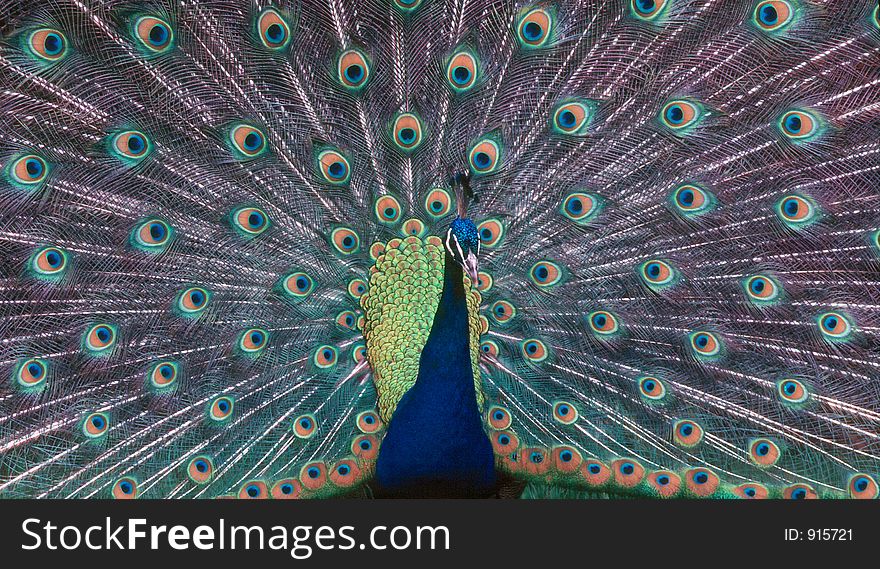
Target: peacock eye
x=679 y=115
x=154 y=34
x=353 y=69
x=274 y=31
x=47 y=44
x=49 y=263
x=603 y=323
x=648 y=9
x=692 y=201
x=764 y=452
x=572 y=118
x=334 y=167
x=407 y=132
x=28 y=171
x=250 y=221
x=834 y=326
x=762 y=289
x=247 y=141
x=345 y=240
x=130 y=146
x=796 y=211
x=462 y=71
x=151 y=236
x=652 y=388
x=687 y=433
x=484 y=156
x=534 y=28
x=799 y=126
x=325 y=357
x=773 y=15
x=581 y=207
x=792 y=391
x=705 y=344
x=387 y=209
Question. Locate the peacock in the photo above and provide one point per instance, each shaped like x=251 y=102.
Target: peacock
x=440 y=248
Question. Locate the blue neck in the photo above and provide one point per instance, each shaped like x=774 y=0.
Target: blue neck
x=435 y=444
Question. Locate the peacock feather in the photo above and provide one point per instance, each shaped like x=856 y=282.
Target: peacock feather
x=313 y=248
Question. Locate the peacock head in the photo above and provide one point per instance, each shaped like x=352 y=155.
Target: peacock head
x=463 y=245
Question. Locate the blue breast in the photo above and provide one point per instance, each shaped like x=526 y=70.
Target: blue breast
x=435 y=444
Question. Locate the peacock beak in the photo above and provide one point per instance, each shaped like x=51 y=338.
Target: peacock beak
x=470 y=267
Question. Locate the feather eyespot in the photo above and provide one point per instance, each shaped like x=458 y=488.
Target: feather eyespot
x=100 y=339
x=152 y=235
x=345 y=240
x=220 y=409
x=273 y=29
x=305 y=426
x=834 y=326
x=762 y=289
x=407 y=5
x=702 y=482
x=603 y=323
x=658 y=274
x=200 y=469
x=254 y=490
x=313 y=475
x=566 y=459
x=31 y=374
x=533 y=29
x=484 y=281
x=484 y=156
x=334 y=167
x=131 y=145
x=652 y=388
x=627 y=472
x=345 y=473
x=253 y=340
x=154 y=34
x=499 y=418
x=491 y=231
x=96 y=425
x=773 y=15
x=126 y=488
x=764 y=452
x=751 y=491
x=247 y=141
x=414 y=227
x=796 y=211
x=28 y=171
x=438 y=203
x=534 y=461
x=387 y=209
x=534 y=350
x=595 y=472
x=692 y=201
x=863 y=487
x=347 y=320
x=799 y=492
x=504 y=443
x=565 y=413
x=358 y=351
x=298 y=285
x=687 y=433
x=287 y=489
x=357 y=288
x=47 y=44
x=580 y=207
x=353 y=69
x=325 y=357
x=799 y=126
x=489 y=348
x=792 y=391
x=665 y=483
x=407 y=132
x=462 y=71
x=163 y=375
x=365 y=447
x=369 y=422
x=572 y=118
x=705 y=344
x=49 y=263
x=680 y=114
x=250 y=221
x=648 y=9
x=193 y=301
x=545 y=274
x=502 y=311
